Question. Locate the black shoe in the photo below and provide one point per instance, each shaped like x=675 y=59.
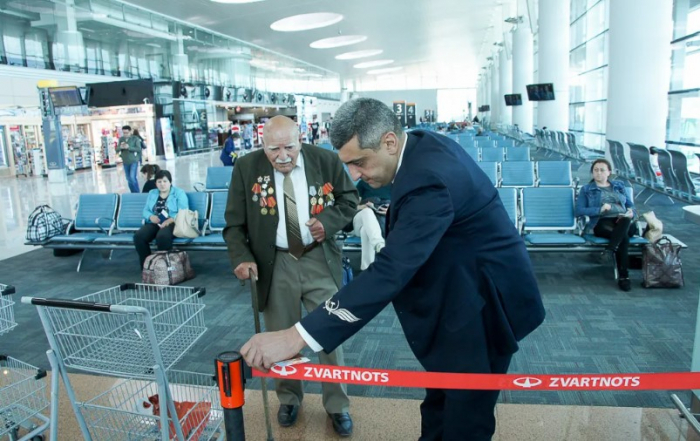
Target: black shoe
x=287 y=415
x=342 y=423
x=624 y=284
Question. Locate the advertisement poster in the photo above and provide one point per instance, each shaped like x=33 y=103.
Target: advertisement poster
x=167 y=133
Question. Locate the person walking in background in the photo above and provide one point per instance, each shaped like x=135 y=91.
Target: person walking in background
x=130 y=151
x=228 y=153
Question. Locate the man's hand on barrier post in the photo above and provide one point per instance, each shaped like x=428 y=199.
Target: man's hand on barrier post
x=264 y=350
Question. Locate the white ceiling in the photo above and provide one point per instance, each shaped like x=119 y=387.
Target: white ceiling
x=446 y=41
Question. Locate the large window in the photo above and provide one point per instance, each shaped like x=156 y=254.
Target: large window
x=588 y=67
x=683 y=124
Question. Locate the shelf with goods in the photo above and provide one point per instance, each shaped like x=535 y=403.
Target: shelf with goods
x=77 y=147
x=18 y=145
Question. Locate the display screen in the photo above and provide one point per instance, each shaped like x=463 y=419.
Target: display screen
x=65 y=96
x=485 y=108
x=540 y=92
x=514 y=99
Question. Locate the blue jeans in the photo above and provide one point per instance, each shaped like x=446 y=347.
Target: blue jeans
x=131 y=171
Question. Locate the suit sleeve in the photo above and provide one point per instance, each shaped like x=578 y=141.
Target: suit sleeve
x=336 y=217
x=236 y=230
x=423 y=216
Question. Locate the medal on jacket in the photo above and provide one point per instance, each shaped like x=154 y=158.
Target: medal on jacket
x=257 y=190
x=271 y=202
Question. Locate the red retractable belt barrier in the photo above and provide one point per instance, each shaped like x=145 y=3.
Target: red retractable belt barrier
x=438 y=380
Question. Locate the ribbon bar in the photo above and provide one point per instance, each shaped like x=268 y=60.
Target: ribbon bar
x=439 y=380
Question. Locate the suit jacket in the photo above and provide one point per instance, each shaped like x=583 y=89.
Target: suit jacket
x=454 y=266
x=251 y=232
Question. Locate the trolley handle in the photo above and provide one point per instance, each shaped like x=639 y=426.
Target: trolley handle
x=201 y=291
x=7 y=290
x=70 y=304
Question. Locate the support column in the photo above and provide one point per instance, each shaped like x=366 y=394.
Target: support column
x=637 y=109
x=505 y=78
x=69 y=41
x=495 y=92
x=522 y=68
x=553 y=62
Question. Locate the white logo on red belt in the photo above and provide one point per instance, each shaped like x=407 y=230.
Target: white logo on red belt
x=284 y=370
x=527 y=382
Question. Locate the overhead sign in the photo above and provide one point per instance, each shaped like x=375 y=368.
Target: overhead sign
x=400 y=111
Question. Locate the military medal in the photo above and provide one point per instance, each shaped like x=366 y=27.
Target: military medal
x=264 y=211
x=270 y=190
x=255 y=198
x=267 y=179
x=264 y=194
x=272 y=211
x=320 y=201
x=313 y=201
x=260 y=179
x=271 y=202
x=331 y=197
x=257 y=189
x=312 y=191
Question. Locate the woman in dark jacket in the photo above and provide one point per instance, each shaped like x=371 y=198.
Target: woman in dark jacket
x=228 y=153
x=611 y=215
x=149 y=172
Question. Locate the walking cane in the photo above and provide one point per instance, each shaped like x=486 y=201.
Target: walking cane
x=263 y=381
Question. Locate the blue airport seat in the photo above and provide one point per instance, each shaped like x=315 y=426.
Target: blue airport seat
x=473 y=152
x=492 y=154
x=218 y=179
x=509 y=198
x=548 y=216
x=94 y=218
x=129 y=219
x=518 y=174
x=554 y=174
x=491 y=170
x=517 y=153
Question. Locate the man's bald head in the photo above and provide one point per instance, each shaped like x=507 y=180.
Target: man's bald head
x=281 y=139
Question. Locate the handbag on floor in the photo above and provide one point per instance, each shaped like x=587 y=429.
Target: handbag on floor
x=662 y=264
x=186 y=224
x=43 y=224
x=167 y=268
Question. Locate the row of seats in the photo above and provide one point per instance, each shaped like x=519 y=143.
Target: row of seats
x=529 y=173
x=109 y=221
x=564 y=144
x=545 y=216
x=218 y=179
x=675 y=179
x=498 y=154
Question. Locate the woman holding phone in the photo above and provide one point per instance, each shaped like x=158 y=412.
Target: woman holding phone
x=611 y=215
x=159 y=214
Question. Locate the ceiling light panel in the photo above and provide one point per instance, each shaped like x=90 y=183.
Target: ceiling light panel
x=304 y=22
x=384 y=71
x=344 y=40
x=358 y=54
x=375 y=63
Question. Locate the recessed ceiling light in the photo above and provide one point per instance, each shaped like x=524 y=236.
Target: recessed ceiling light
x=374 y=63
x=305 y=22
x=384 y=71
x=358 y=54
x=236 y=1
x=344 y=40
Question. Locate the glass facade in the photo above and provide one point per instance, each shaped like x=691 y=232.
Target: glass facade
x=106 y=37
x=588 y=64
x=683 y=123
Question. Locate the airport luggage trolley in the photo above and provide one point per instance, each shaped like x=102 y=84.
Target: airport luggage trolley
x=136 y=332
x=22 y=388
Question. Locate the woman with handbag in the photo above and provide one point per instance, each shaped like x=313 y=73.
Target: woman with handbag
x=159 y=215
x=611 y=214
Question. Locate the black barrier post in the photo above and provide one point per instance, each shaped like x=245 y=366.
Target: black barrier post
x=229 y=375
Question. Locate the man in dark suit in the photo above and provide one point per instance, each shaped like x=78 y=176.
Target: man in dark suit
x=285 y=204
x=454 y=267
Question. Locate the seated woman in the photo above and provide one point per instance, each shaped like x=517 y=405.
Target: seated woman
x=149 y=173
x=611 y=213
x=160 y=211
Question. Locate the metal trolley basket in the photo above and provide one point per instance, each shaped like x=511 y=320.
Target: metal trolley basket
x=22 y=388
x=137 y=332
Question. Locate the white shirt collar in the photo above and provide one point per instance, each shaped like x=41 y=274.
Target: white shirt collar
x=403 y=150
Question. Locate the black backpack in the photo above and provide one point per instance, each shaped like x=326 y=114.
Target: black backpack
x=43 y=224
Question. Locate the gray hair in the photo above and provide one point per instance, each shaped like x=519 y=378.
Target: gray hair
x=367 y=118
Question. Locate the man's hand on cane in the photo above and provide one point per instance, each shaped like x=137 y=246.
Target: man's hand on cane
x=264 y=350
x=242 y=270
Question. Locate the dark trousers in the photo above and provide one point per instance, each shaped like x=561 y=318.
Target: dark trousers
x=146 y=234
x=460 y=415
x=618 y=230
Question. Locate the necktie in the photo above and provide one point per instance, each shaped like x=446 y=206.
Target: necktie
x=387 y=221
x=296 y=246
